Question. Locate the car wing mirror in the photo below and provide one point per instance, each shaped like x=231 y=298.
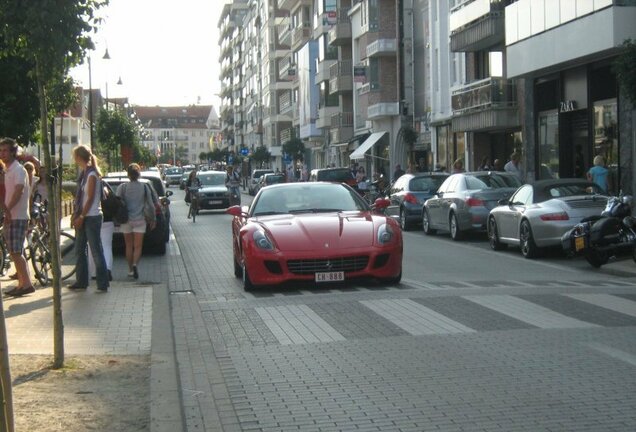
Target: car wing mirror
x=169 y=193
x=236 y=211
x=381 y=203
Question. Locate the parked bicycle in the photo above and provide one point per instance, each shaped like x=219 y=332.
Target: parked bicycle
x=194 y=203
x=37 y=248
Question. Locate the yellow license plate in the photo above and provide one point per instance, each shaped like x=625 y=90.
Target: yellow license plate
x=579 y=243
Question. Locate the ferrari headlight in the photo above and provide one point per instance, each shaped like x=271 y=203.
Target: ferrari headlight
x=262 y=241
x=385 y=234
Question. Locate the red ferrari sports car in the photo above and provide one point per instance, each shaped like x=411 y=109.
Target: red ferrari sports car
x=322 y=232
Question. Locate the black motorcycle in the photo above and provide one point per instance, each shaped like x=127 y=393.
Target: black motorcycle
x=610 y=235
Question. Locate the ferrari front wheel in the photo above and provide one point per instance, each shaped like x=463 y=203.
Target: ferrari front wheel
x=247 y=282
x=393 y=280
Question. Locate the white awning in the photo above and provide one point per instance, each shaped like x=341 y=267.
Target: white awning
x=366 y=145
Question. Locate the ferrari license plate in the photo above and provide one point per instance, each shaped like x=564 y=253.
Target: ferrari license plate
x=330 y=276
x=579 y=243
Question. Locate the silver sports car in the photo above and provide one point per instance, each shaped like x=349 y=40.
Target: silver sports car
x=538 y=214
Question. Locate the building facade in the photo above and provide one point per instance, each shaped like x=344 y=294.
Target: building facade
x=574 y=108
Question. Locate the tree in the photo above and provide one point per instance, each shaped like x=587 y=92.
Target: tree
x=19 y=113
x=261 y=156
x=295 y=148
x=624 y=67
x=203 y=156
x=117 y=135
x=144 y=156
x=51 y=36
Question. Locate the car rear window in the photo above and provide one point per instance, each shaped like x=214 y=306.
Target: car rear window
x=340 y=176
x=574 y=189
x=492 y=181
x=426 y=184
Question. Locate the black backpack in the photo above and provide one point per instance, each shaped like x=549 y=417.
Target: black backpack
x=113 y=206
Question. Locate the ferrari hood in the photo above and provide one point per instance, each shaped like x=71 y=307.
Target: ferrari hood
x=320 y=231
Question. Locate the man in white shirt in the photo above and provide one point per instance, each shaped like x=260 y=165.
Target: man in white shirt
x=16 y=214
x=514 y=166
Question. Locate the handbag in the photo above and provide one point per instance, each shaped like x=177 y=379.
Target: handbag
x=149 y=207
x=113 y=206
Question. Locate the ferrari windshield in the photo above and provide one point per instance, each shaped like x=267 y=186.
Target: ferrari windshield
x=298 y=198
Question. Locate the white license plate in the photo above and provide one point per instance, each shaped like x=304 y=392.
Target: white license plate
x=330 y=276
x=215 y=202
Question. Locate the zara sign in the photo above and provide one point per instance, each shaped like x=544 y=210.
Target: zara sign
x=567 y=106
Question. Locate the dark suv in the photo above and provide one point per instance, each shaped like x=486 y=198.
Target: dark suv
x=336 y=175
x=155 y=240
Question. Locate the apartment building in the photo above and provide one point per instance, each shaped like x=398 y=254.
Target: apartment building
x=179 y=134
x=574 y=106
x=486 y=121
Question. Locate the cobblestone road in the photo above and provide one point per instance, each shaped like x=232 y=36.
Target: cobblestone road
x=481 y=352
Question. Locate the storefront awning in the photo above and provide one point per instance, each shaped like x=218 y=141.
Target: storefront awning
x=366 y=145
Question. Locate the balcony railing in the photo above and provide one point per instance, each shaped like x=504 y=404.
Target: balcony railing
x=301 y=34
x=484 y=94
x=285 y=135
x=382 y=47
x=341 y=77
x=343 y=119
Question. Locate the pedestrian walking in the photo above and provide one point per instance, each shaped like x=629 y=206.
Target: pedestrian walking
x=16 y=214
x=106 y=235
x=135 y=194
x=458 y=166
x=598 y=173
x=87 y=220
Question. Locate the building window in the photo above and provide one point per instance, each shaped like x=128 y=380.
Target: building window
x=548 y=145
x=374 y=73
x=606 y=138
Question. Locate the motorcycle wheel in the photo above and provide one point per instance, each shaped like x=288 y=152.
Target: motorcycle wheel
x=596 y=258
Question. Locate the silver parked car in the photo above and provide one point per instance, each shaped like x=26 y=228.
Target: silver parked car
x=537 y=215
x=462 y=203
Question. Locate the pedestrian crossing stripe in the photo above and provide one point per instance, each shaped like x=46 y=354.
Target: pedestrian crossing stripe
x=297 y=325
x=608 y=301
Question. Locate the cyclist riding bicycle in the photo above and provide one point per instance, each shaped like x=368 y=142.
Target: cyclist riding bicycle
x=233 y=183
x=192 y=182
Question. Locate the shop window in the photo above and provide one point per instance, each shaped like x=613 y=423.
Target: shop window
x=548 y=145
x=606 y=138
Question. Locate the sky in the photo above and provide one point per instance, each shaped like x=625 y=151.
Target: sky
x=166 y=52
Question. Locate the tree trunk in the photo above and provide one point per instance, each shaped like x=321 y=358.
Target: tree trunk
x=54 y=230
x=6 y=413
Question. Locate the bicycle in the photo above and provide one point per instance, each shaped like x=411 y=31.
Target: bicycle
x=235 y=195
x=38 y=251
x=194 y=203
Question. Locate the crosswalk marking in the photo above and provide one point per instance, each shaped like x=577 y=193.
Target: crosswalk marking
x=607 y=301
x=528 y=312
x=415 y=318
x=293 y=325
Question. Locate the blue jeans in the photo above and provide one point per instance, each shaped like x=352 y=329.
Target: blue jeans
x=89 y=234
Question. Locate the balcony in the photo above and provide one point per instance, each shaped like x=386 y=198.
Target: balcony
x=341 y=127
x=286 y=4
x=322 y=71
x=340 y=33
x=481 y=35
x=382 y=110
x=300 y=35
x=485 y=105
x=382 y=47
x=341 y=77
x=324 y=116
x=285 y=135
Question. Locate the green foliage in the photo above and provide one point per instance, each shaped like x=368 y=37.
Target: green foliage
x=115 y=129
x=295 y=148
x=203 y=156
x=143 y=156
x=409 y=135
x=625 y=69
x=19 y=111
x=261 y=155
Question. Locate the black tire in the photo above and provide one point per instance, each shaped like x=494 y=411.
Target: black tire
x=41 y=262
x=493 y=235
x=393 y=280
x=596 y=258
x=5 y=259
x=247 y=282
x=528 y=247
x=67 y=252
x=453 y=226
x=426 y=223
x=404 y=223
x=238 y=270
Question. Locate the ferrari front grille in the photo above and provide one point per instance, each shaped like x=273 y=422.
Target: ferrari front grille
x=311 y=266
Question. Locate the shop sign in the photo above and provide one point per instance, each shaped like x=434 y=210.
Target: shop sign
x=567 y=106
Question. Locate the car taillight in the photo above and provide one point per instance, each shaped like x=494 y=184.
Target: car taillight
x=562 y=216
x=410 y=198
x=474 y=202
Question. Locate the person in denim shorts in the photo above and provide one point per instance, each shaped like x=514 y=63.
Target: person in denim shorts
x=16 y=214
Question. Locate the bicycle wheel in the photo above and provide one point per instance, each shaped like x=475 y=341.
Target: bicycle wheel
x=5 y=259
x=41 y=258
x=67 y=253
x=194 y=209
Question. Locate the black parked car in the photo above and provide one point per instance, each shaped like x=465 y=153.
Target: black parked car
x=155 y=240
x=408 y=195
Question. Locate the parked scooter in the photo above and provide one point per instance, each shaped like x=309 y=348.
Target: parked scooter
x=610 y=235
